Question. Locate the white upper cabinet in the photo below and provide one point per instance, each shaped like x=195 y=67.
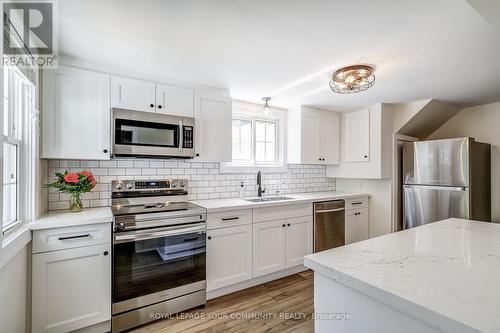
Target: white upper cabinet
x=173 y=100
x=213 y=131
x=132 y=94
x=151 y=97
x=329 y=134
x=366 y=144
x=75 y=114
x=357 y=136
x=313 y=136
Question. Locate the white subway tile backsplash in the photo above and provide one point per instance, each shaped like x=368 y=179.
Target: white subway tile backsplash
x=205 y=179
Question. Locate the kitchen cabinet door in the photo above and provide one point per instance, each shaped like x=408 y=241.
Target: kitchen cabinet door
x=229 y=256
x=268 y=247
x=357 y=136
x=71 y=288
x=329 y=139
x=173 y=100
x=310 y=139
x=362 y=224
x=213 y=129
x=298 y=240
x=350 y=226
x=133 y=94
x=76 y=114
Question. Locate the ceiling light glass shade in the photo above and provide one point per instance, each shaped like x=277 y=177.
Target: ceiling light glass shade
x=352 y=79
x=266 y=108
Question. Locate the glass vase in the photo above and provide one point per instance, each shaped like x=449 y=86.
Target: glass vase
x=75 y=203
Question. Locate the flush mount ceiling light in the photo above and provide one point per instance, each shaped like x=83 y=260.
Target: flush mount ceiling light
x=352 y=79
x=267 y=108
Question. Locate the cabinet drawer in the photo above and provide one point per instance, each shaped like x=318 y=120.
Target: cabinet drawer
x=282 y=212
x=70 y=237
x=356 y=203
x=229 y=219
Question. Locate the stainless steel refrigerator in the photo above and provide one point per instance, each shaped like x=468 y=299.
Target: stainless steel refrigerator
x=446 y=178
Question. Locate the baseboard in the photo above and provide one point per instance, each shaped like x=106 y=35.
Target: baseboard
x=254 y=282
x=101 y=327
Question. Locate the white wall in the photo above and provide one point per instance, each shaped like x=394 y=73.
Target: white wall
x=14 y=291
x=380 y=211
x=482 y=123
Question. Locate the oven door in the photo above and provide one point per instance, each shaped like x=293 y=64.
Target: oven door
x=137 y=133
x=154 y=265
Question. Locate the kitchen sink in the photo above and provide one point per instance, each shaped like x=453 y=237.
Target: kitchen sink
x=267 y=199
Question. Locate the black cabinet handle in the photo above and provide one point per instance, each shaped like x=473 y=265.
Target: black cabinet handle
x=106 y=253
x=74 y=237
x=159 y=106
x=288 y=224
x=209 y=237
x=230 y=218
x=366 y=156
x=319 y=159
x=105 y=151
x=152 y=105
x=197 y=155
x=283 y=225
x=357 y=203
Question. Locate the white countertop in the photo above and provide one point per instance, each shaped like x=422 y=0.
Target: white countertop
x=445 y=273
x=216 y=205
x=64 y=218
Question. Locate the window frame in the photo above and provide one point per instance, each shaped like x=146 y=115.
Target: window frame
x=20 y=87
x=254 y=112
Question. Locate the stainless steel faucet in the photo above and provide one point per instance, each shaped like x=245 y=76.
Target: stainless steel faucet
x=259 y=185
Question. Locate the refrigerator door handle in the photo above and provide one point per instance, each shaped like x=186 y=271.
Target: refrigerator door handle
x=443 y=188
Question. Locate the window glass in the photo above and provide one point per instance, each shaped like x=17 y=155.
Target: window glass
x=265 y=141
x=242 y=140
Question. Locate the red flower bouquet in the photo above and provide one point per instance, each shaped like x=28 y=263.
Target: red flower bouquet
x=74 y=183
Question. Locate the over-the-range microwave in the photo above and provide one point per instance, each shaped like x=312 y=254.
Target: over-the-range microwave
x=150 y=134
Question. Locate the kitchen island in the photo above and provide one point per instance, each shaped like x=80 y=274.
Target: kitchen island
x=440 y=277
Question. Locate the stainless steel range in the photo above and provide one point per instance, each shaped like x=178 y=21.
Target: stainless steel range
x=159 y=248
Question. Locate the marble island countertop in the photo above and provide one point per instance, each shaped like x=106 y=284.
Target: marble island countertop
x=445 y=274
x=216 y=205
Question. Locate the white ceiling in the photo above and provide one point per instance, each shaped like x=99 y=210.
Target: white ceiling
x=439 y=49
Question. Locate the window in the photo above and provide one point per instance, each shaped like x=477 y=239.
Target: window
x=18 y=103
x=254 y=141
x=257 y=139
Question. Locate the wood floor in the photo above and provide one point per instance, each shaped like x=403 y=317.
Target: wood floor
x=291 y=296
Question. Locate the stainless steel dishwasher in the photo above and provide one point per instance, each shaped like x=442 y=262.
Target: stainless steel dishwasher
x=329 y=225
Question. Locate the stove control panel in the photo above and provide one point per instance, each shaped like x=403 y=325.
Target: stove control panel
x=148 y=185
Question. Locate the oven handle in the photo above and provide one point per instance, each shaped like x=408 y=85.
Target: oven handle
x=132 y=236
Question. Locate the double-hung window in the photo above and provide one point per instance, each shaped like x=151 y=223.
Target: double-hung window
x=18 y=105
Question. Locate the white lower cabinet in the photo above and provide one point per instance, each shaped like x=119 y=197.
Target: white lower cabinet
x=245 y=244
x=269 y=247
x=71 y=288
x=281 y=244
x=229 y=256
x=356 y=225
x=298 y=240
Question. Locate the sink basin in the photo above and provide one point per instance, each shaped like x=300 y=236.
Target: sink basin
x=267 y=199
